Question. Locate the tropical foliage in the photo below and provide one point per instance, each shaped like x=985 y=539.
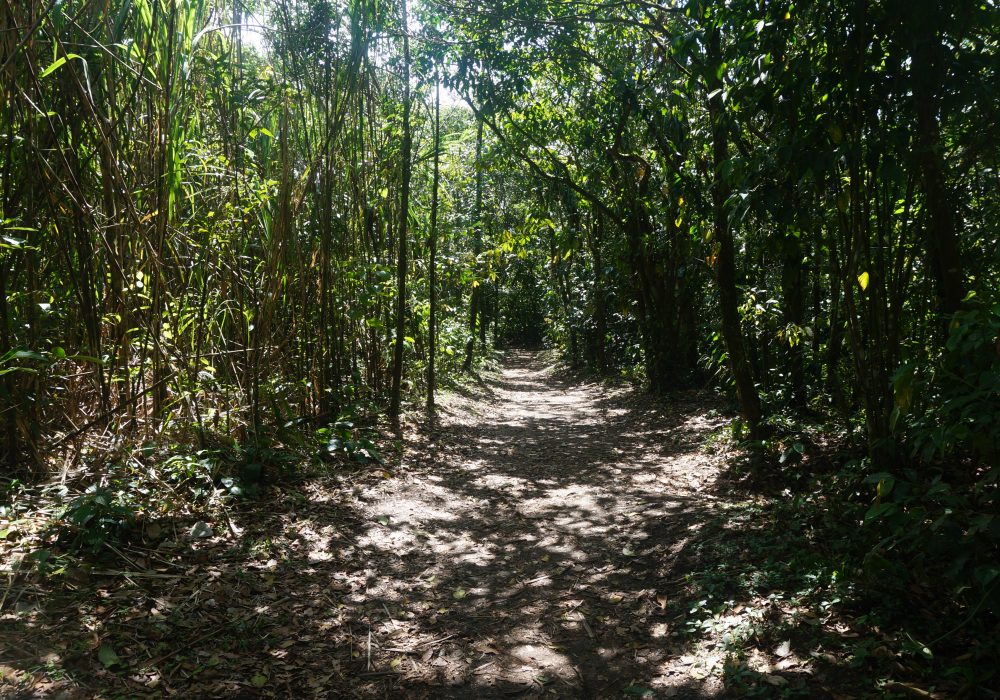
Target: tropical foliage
x=251 y=226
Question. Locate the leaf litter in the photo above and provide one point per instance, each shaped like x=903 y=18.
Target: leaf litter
x=538 y=541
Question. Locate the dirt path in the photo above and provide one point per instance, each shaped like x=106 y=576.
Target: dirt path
x=535 y=553
x=540 y=544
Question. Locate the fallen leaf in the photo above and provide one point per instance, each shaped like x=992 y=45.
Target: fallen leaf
x=784 y=649
x=107 y=655
x=459 y=594
x=485 y=647
x=258 y=680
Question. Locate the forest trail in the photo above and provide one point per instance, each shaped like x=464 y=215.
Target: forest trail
x=538 y=550
x=552 y=537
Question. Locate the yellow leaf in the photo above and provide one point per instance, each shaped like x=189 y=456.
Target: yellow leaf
x=863 y=281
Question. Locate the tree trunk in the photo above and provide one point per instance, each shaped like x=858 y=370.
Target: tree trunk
x=793 y=297
x=477 y=248
x=404 y=214
x=943 y=250
x=432 y=263
x=732 y=333
x=596 y=239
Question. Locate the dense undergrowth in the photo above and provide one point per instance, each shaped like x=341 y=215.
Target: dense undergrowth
x=893 y=574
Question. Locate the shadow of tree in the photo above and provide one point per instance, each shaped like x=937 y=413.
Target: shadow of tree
x=553 y=539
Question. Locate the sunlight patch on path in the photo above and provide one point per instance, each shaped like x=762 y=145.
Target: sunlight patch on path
x=528 y=543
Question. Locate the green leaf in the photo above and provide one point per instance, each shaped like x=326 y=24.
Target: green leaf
x=878 y=510
x=258 y=680
x=53 y=67
x=57 y=64
x=107 y=656
x=29 y=370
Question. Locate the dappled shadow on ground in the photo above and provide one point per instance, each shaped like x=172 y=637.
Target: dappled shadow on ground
x=541 y=542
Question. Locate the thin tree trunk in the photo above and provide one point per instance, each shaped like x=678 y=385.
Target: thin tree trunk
x=432 y=264
x=793 y=298
x=404 y=213
x=732 y=333
x=475 y=299
x=596 y=239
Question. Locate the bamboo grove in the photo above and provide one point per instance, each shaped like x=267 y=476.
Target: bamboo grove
x=795 y=202
x=199 y=232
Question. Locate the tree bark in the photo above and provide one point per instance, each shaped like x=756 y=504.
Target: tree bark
x=477 y=248
x=432 y=263
x=942 y=238
x=596 y=240
x=404 y=214
x=732 y=333
x=793 y=296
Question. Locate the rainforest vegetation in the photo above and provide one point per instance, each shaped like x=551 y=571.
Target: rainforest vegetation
x=252 y=246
